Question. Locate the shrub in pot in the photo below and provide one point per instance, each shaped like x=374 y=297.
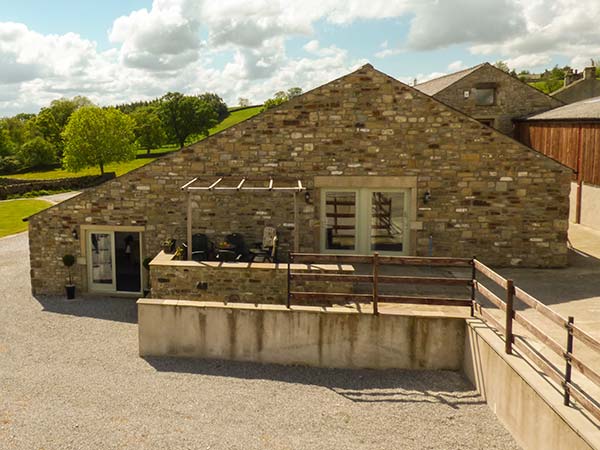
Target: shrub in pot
x=168 y=246
x=68 y=261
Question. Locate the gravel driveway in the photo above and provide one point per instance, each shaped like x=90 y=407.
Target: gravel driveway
x=70 y=378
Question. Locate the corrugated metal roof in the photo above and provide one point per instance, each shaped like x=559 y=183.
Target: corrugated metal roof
x=436 y=85
x=585 y=109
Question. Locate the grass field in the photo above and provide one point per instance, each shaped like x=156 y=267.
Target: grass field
x=124 y=167
x=12 y=213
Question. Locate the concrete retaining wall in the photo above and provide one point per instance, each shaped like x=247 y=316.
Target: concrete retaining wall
x=590 y=205
x=525 y=402
x=336 y=337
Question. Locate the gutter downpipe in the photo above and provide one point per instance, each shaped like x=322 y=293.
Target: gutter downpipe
x=579 y=177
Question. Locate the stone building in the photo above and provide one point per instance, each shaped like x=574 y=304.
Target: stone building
x=571 y=134
x=489 y=95
x=579 y=86
x=387 y=168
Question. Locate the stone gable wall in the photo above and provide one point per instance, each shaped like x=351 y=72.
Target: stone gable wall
x=490 y=196
x=513 y=98
x=580 y=90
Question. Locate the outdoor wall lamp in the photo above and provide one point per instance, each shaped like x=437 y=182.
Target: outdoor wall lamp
x=75 y=234
x=426 y=197
x=307 y=198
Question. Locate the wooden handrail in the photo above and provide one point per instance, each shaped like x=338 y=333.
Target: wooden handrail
x=534 y=303
x=533 y=329
x=389 y=279
x=495 y=277
x=490 y=296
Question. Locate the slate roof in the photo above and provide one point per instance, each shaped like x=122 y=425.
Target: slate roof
x=583 y=110
x=436 y=85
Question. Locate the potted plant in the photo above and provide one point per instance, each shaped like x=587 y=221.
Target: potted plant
x=68 y=261
x=146 y=264
x=168 y=245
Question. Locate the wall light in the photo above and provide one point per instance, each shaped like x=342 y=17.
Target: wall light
x=75 y=234
x=426 y=197
x=307 y=198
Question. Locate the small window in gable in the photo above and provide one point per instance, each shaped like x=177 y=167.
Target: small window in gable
x=485 y=94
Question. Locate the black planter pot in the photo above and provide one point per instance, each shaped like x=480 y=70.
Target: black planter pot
x=70 y=291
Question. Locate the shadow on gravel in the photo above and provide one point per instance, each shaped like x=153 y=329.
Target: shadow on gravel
x=357 y=385
x=104 y=308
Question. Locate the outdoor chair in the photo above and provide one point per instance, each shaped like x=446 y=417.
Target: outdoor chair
x=203 y=248
x=267 y=249
x=238 y=248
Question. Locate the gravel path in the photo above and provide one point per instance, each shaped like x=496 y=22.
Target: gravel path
x=70 y=378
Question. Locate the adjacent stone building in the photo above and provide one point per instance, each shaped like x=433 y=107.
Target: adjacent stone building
x=489 y=95
x=579 y=86
x=387 y=168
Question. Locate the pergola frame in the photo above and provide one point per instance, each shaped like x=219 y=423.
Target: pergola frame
x=215 y=187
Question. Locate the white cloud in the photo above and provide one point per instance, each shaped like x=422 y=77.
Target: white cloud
x=557 y=27
x=171 y=45
x=455 y=66
x=529 y=61
x=442 y=23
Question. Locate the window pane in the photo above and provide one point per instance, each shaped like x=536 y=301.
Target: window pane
x=101 y=258
x=484 y=96
x=387 y=221
x=340 y=212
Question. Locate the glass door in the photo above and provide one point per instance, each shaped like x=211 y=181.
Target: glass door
x=340 y=209
x=388 y=222
x=101 y=261
x=114 y=261
x=364 y=221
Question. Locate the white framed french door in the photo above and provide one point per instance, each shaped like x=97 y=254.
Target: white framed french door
x=365 y=220
x=114 y=261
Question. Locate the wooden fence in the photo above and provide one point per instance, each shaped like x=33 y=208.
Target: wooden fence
x=376 y=261
x=511 y=340
x=507 y=305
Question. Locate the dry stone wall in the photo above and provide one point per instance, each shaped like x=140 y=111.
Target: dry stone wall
x=490 y=196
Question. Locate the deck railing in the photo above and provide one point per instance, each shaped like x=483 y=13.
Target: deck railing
x=563 y=378
x=376 y=261
x=510 y=294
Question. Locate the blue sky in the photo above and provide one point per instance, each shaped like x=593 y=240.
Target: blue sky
x=125 y=50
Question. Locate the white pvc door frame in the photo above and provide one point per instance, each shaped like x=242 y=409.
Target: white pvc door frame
x=110 y=288
x=362 y=220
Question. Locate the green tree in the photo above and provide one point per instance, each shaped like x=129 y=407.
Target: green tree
x=293 y=92
x=216 y=103
x=184 y=115
x=282 y=97
x=37 y=152
x=149 y=131
x=243 y=102
x=502 y=66
x=6 y=144
x=95 y=137
x=51 y=121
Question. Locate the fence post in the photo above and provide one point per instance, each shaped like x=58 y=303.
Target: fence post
x=375 y=285
x=568 y=353
x=510 y=297
x=473 y=281
x=289 y=279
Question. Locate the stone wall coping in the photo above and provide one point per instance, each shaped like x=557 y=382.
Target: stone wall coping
x=335 y=309
x=165 y=259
